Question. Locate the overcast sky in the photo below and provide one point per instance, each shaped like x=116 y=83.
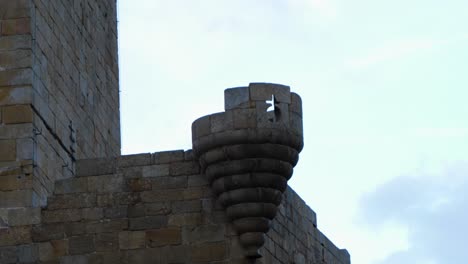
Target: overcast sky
x=384 y=86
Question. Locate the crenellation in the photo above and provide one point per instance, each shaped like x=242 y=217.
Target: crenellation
x=68 y=196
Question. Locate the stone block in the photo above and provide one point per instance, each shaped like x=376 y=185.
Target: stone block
x=264 y=92
x=16 y=131
x=244 y=118
x=222 y=122
x=92 y=213
x=14 y=9
x=15 y=182
x=116 y=212
x=60 y=247
x=15 y=236
x=138 y=185
x=134 y=160
x=66 y=215
x=17 y=114
x=94 y=167
x=81 y=245
x=132 y=239
x=207 y=252
x=184 y=168
x=15 y=42
x=136 y=210
x=18 y=198
x=160 y=208
x=46 y=232
x=8 y=147
x=236 y=98
x=143 y=256
x=296 y=104
x=24 y=149
x=106 y=226
x=8 y=255
x=15 y=59
x=201 y=127
x=190 y=206
x=162 y=195
x=169 y=182
x=106 y=183
x=164 y=237
x=112 y=199
x=79 y=259
x=76 y=200
x=148 y=222
x=175 y=254
x=19 y=26
x=75 y=228
x=28 y=253
x=204 y=233
x=72 y=185
x=296 y=124
x=107 y=242
x=197 y=180
x=24 y=216
x=155 y=170
x=187 y=219
x=164 y=157
x=16 y=77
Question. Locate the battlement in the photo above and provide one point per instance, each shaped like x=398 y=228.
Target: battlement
x=68 y=196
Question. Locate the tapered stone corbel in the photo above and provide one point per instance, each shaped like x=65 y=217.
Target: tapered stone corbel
x=248 y=153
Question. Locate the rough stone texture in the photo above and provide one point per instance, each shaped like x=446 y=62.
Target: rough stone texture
x=161 y=223
x=59 y=98
x=66 y=194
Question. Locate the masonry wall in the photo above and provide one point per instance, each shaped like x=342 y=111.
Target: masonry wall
x=59 y=98
x=154 y=208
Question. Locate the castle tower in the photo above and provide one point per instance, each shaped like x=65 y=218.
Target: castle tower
x=68 y=196
x=59 y=97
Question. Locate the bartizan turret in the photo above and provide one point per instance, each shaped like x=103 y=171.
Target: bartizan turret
x=248 y=153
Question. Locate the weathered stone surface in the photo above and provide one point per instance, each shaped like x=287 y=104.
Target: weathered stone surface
x=106 y=183
x=60 y=111
x=8 y=148
x=15 y=236
x=209 y=252
x=81 y=245
x=8 y=255
x=17 y=198
x=46 y=232
x=15 y=95
x=148 y=222
x=94 y=167
x=28 y=253
x=164 y=157
x=236 y=98
x=74 y=185
x=164 y=237
x=24 y=216
x=107 y=242
x=132 y=239
x=204 y=233
x=76 y=200
x=156 y=170
x=16 y=77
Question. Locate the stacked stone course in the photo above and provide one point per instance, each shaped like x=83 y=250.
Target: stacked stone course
x=154 y=208
x=66 y=194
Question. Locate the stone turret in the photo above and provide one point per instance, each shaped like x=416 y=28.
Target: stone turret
x=248 y=153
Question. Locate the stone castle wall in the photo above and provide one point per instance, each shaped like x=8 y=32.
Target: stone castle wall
x=59 y=98
x=66 y=194
x=154 y=208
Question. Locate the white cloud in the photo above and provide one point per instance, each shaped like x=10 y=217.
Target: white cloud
x=432 y=208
